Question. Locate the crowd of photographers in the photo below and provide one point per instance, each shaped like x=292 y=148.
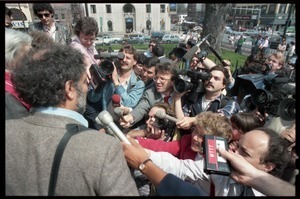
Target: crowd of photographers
x=166 y=105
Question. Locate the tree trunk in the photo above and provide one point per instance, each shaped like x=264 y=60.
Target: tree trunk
x=215 y=21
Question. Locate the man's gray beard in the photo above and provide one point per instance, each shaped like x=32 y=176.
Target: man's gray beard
x=81 y=101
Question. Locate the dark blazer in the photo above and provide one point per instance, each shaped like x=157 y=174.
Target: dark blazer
x=171 y=185
x=93 y=163
x=62 y=34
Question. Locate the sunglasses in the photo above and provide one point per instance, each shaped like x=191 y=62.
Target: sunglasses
x=45 y=15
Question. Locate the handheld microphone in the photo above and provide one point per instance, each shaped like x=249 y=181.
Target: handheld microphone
x=106 y=128
x=162 y=115
x=116 y=100
x=106 y=119
x=119 y=112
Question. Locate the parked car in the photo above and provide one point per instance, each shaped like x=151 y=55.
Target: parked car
x=251 y=32
x=171 y=38
x=228 y=30
x=276 y=39
x=135 y=38
x=147 y=38
x=98 y=41
x=157 y=35
x=290 y=31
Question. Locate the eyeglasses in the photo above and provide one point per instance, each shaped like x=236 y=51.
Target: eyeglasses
x=162 y=80
x=45 y=15
x=151 y=45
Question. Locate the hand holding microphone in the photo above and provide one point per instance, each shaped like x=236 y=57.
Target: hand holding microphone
x=106 y=119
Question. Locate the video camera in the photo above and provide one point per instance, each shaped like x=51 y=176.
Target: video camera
x=270 y=93
x=191 y=80
x=100 y=74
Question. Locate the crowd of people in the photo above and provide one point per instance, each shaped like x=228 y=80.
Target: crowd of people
x=167 y=106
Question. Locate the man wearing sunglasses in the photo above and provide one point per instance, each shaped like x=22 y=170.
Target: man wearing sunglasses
x=45 y=12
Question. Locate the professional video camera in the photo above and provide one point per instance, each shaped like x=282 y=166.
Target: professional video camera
x=100 y=74
x=191 y=80
x=271 y=94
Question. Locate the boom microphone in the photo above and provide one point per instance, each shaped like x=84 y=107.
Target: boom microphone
x=194 y=49
x=106 y=119
x=187 y=56
x=162 y=115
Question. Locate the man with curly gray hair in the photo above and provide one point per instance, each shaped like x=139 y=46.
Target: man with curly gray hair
x=54 y=81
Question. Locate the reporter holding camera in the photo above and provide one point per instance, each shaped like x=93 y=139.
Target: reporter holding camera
x=211 y=99
x=86 y=30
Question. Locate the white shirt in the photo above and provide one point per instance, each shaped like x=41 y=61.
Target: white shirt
x=193 y=172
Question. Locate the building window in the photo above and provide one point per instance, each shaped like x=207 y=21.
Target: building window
x=271 y=9
x=264 y=9
x=108 y=8
x=148 y=25
x=162 y=8
x=282 y=8
x=55 y=16
x=109 y=25
x=243 y=10
x=63 y=16
x=148 y=8
x=93 y=9
x=249 y=12
x=162 y=24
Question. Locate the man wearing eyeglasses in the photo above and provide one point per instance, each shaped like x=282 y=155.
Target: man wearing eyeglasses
x=45 y=12
x=162 y=91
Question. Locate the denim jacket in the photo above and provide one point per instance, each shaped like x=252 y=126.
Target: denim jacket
x=129 y=97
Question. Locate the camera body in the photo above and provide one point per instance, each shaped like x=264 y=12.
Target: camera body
x=101 y=74
x=191 y=80
x=270 y=93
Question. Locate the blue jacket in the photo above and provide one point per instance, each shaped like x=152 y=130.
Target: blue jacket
x=129 y=97
x=174 y=186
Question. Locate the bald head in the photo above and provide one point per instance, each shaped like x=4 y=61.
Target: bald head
x=265 y=150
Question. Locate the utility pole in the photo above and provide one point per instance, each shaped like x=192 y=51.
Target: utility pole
x=288 y=19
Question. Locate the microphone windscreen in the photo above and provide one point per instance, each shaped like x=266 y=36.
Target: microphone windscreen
x=116 y=99
x=160 y=114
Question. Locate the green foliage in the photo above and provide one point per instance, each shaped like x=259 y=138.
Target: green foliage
x=236 y=60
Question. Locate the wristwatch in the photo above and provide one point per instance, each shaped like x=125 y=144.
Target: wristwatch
x=142 y=166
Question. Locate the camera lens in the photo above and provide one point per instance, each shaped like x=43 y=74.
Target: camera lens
x=106 y=67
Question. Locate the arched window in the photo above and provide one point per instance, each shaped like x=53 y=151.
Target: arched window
x=109 y=25
x=128 y=8
x=148 y=24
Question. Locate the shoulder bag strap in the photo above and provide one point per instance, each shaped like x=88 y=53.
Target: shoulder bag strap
x=71 y=130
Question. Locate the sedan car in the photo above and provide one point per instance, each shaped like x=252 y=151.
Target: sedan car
x=251 y=32
x=171 y=38
x=275 y=40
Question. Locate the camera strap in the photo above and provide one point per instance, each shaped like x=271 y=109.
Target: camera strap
x=72 y=129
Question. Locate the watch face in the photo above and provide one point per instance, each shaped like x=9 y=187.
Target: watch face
x=142 y=167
